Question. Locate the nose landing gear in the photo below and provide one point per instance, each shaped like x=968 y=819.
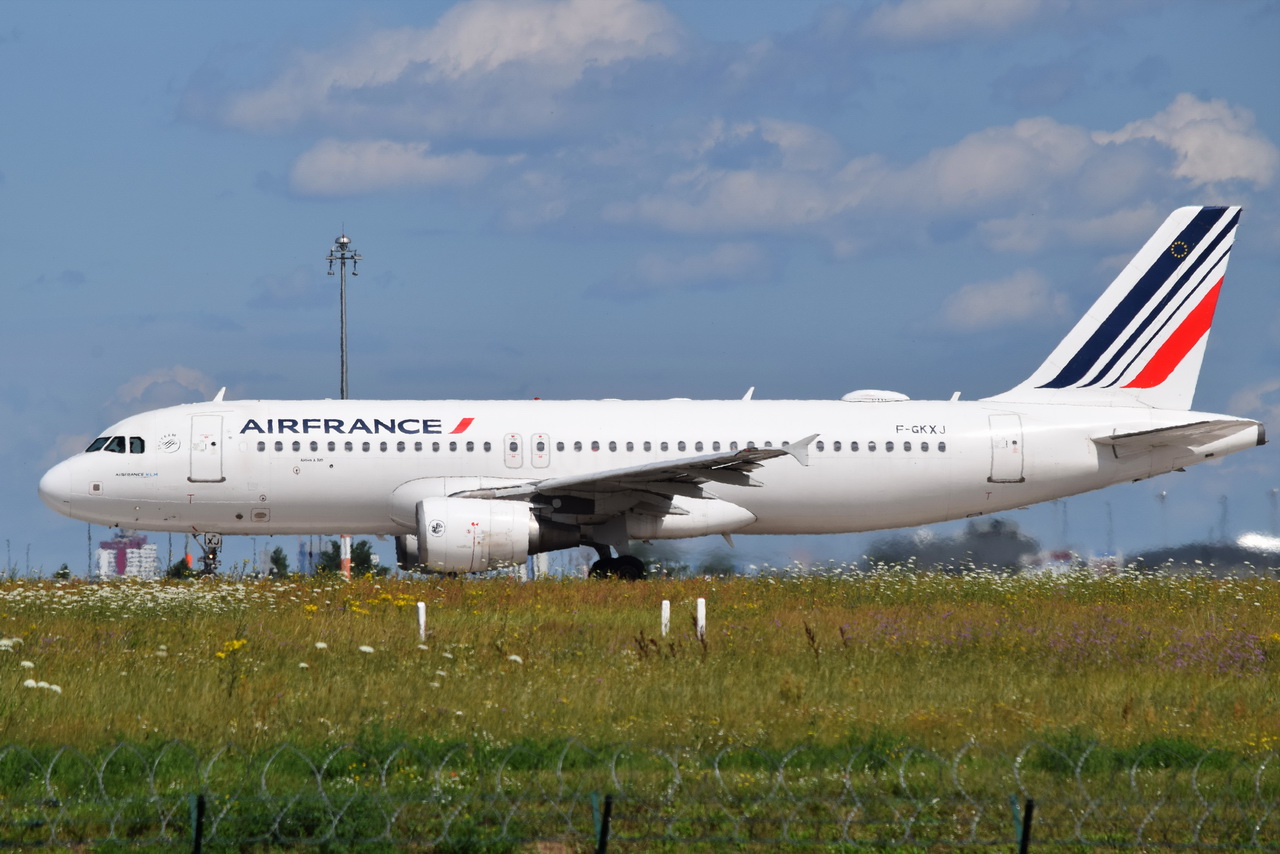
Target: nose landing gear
x=211 y=544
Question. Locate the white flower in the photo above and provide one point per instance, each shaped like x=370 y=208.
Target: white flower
x=57 y=689
x=28 y=664
x=321 y=645
x=447 y=654
x=42 y=684
x=302 y=665
x=441 y=673
x=517 y=659
x=423 y=646
x=434 y=684
x=161 y=653
x=30 y=683
x=366 y=649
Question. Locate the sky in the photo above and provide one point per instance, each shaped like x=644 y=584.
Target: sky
x=619 y=198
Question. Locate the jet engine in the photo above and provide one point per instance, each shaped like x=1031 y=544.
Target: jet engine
x=476 y=534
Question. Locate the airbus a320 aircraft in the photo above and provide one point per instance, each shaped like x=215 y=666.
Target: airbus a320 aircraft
x=466 y=486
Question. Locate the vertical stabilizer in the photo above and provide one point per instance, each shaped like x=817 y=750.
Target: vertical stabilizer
x=1142 y=342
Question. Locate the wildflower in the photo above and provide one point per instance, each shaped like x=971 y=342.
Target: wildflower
x=302 y=665
x=321 y=645
x=28 y=664
x=366 y=649
x=447 y=654
x=441 y=673
x=57 y=689
x=30 y=683
x=517 y=659
x=434 y=684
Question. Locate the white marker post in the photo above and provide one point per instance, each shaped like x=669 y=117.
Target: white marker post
x=666 y=616
x=422 y=621
x=702 y=619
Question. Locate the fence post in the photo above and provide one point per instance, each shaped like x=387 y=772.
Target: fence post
x=602 y=844
x=1024 y=844
x=666 y=616
x=701 y=619
x=197 y=822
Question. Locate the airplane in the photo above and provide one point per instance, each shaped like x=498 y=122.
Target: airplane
x=466 y=486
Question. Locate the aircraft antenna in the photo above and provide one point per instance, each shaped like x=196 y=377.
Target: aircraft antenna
x=342 y=252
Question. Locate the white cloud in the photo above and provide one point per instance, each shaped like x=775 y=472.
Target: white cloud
x=337 y=168
x=1214 y=141
x=163 y=387
x=1260 y=400
x=723 y=266
x=493 y=66
x=1022 y=297
x=915 y=21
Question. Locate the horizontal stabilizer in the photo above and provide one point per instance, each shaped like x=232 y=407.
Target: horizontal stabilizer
x=1192 y=436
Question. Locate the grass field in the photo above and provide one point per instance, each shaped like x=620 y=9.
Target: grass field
x=935 y=660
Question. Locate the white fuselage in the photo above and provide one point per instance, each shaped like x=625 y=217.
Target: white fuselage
x=359 y=467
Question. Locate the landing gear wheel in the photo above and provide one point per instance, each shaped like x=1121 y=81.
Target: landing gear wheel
x=626 y=567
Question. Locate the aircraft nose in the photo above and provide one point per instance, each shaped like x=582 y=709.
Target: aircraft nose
x=55 y=488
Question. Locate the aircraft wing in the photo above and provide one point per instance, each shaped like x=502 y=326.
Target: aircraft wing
x=668 y=478
x=1194 y=435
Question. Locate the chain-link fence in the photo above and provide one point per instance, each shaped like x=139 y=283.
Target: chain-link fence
x=552 y=796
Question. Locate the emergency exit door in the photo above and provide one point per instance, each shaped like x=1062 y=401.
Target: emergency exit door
x=206 y=449
x=1006 y=449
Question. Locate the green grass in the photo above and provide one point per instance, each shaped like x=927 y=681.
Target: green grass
x=931 y=660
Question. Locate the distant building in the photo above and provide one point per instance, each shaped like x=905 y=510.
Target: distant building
x=127 y=555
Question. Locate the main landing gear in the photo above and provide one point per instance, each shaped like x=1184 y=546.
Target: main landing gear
x=626 y=567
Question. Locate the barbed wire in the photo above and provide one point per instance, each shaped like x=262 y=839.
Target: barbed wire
x=1165 y=795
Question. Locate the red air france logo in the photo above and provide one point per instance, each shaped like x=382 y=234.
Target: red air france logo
x=462 y=426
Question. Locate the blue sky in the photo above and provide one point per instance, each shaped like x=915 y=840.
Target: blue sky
x=617 y=198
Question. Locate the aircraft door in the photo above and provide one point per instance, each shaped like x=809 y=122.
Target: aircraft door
x=512 y=451
x=206 y=449
x=540 y=450
x=1006 y=449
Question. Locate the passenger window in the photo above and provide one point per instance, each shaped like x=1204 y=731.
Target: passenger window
x=453 y=446
x=115 y=445
x=333 y=446
x=697 y=446
x=513 y=447
x=577 y=446
x=417 y=446
x=97 y=444
x=400 y=446
x=835 y=446
x=488 y=446
x=382 y=446
x=662 y=446
x=435 y=447
x=715 y=446
x=364 y=446
x=540 y=446
x=819 y=445
x=853 y=446
x=262 y=446
x=471 y=446
x=733 y=446
x=613 y=446
x=631 y=446
x=279 y=446
x=347 y=446
x=648 y=446
x=297 y=446
x=315 y=446
x=888 y=447
x=680 y=445
x=768 y=444
x=136 y=445
x=906 y=446
x=751 y=444
x=942 y=447
x=871 y=446
x=924 y=446
x=559 y=446
x=595 y=446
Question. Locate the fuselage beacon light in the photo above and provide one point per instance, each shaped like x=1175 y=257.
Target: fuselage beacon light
x=466 y=486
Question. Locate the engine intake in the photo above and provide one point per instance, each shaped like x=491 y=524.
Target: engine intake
x=458 y=535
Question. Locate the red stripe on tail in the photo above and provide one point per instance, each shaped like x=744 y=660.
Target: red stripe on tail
x=1179 y=344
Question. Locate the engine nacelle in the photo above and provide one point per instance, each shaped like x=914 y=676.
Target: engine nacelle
x=477 y=534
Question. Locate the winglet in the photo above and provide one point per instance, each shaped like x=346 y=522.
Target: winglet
x=750 y=392
x=800 y=450
x=217 y=398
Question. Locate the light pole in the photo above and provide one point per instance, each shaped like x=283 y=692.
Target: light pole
x=342 y=252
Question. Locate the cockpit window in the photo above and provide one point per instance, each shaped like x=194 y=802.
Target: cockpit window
x=115 y=445
x=136 y=445
x=97 y=444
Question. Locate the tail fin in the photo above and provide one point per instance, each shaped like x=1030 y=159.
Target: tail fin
x=1142 y=342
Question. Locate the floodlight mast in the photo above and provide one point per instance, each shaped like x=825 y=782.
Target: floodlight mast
x=342 y=252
